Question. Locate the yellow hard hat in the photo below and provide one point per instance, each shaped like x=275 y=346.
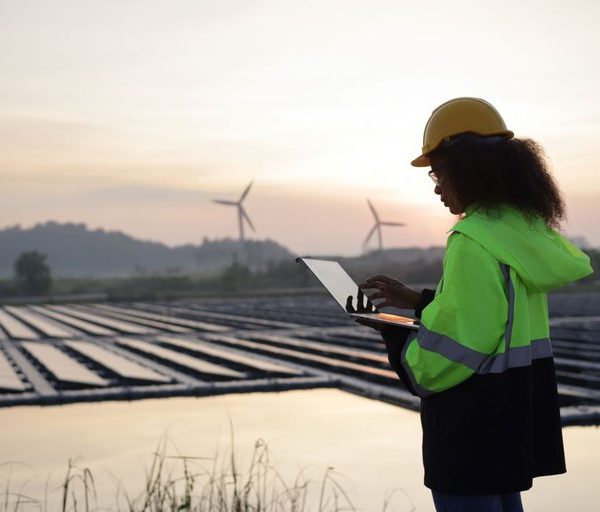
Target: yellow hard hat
x=460 y=115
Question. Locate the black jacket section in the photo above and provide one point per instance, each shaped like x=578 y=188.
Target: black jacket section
x=395 y=339
x=491 y=434
x=426 y=297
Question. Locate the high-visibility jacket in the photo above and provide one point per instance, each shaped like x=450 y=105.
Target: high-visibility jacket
x=482 y=358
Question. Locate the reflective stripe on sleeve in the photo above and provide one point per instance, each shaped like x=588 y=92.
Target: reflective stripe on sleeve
x=449 y=348
x=478 y=362
x=516 y=357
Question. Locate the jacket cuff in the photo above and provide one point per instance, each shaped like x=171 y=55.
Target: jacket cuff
x=395 y=340
x=427 y=297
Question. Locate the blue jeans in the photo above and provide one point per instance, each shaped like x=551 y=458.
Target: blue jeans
x=477 y=503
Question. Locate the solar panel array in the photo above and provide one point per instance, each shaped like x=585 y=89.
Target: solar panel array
x=80 y=352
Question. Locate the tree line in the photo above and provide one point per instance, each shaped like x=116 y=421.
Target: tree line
x=33 y=277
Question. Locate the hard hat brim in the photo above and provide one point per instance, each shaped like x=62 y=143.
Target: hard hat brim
x=420 y=161
x=423 y=160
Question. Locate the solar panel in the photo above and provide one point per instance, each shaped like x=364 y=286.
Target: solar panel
x=82 y=325
x=61 y=366
x=194 y=324
x=231 y=355
x=15 y=328
x=185 y=360
x=49 y=328
x=117 y=325
x=115 y=313
x=9 y=380
x=305 y=358
x=116 y=363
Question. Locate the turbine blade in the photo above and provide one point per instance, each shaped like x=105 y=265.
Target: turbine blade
x=223 y=201
x=392 y=224
x=373 y=210
x=245 y=215
x=370 y=235
x=245 y=193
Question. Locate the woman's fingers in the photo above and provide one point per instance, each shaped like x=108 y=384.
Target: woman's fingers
x=380 y=278
x=371 y=283
x=385 y=279
x=375 y=285
x=378 y=287
x=384 y=291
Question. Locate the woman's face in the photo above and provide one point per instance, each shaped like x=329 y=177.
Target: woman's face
x=444 y=188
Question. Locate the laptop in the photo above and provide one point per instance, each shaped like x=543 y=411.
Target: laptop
x=345 y=291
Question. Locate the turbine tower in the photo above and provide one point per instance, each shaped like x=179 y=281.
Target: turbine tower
x=242 y=215
x=377 y=227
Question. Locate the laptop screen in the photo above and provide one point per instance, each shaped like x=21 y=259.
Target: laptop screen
x=335 y=279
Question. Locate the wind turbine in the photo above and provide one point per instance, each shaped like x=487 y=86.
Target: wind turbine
x=377 y=227
x=242 y=215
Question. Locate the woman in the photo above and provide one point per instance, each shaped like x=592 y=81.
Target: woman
x=481 y=360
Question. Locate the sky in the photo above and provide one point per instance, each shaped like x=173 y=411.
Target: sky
x=133 y=115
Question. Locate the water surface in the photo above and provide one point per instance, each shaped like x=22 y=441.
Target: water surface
x=375 y=446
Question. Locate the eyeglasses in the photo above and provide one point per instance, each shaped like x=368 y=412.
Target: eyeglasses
x=435 y=176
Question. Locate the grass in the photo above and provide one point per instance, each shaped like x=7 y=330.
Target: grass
x=179 y=483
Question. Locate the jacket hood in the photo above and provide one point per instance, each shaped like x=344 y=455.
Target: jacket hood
x=543 y=259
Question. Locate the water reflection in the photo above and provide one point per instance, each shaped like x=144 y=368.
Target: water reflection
x=375 y=445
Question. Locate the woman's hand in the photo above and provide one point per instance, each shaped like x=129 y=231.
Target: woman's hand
x=365 y=322
x=393 y=292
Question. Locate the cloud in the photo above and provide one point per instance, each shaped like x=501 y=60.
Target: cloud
x=36 y=136
x=142 y=194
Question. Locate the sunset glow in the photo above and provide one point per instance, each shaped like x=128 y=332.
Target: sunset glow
x=133 y=115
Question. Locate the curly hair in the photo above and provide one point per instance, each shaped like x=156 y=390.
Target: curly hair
x=494 y=171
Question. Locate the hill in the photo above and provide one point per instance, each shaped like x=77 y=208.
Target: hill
x=74 y=250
